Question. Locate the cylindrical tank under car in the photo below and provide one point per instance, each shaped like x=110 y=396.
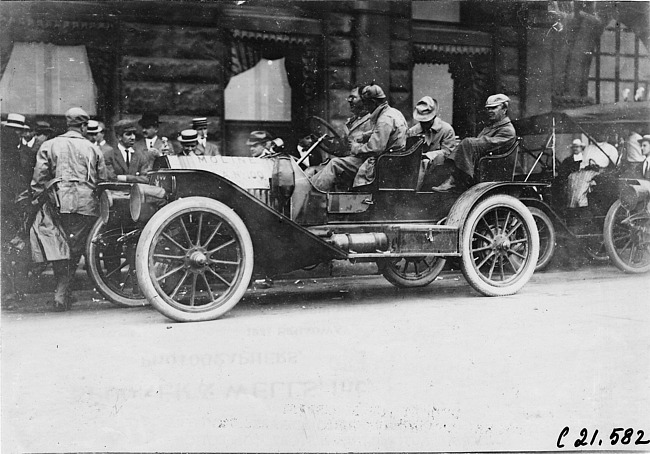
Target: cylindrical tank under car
x=360 y=242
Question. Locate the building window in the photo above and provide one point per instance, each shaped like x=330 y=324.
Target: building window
x=260 y=94
x=45 y=79
x=620 y=68
x=435 y=80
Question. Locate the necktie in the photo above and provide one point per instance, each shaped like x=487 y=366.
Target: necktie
x=128 y=157
x=646 y=167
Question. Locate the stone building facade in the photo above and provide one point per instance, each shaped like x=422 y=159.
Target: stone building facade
x=176 y=58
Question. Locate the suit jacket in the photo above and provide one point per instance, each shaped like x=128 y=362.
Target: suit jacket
x=141 y=145
x=140 y=163
x=210 y=149
x=105 y=147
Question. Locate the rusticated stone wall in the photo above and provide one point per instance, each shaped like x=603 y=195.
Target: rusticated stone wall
x=506 y=50
x=401 y=63
x=174 y=70
x=340 y=65
x=364 y=45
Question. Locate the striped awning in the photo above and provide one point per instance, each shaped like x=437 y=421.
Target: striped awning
x=271 y=37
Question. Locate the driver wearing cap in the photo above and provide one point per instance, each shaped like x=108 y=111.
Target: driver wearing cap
x=499 y=134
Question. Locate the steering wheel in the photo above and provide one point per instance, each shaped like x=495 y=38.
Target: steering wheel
x=321 y=129
x=317 y=126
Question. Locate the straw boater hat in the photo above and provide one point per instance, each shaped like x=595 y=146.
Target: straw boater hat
x=577 y=142
x=16 y=121
x=188 y=136
x=93 y=127
x=258 y=137
x=645 y=138
x=425 y=110
x=201 y=122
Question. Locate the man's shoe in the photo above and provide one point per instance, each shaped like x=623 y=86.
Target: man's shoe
x=445 y=186
x=59 y=306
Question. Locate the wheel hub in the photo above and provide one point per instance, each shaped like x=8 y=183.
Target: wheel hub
x=501 y=244
x=197 y=259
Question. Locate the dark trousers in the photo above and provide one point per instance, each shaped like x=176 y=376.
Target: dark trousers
x=76 y=227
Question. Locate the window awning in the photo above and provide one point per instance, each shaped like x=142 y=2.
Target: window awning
x=454 y=49
x=271 y=37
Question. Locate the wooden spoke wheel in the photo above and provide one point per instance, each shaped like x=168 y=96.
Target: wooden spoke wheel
x=195 y=259
x=110 y=263
x=411 y=271
x=499 y=246
x=547 y=238
x=627 y=238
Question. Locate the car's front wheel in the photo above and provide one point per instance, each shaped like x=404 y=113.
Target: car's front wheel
x=499 y=246
x=194 y=259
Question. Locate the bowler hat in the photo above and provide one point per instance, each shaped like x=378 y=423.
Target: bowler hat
x=426 y=109
x=258 y=137
x=16 y=121
x=198 y=123
x=496 y=100
x=188 y=136
x=149 y=119
x=76 y=116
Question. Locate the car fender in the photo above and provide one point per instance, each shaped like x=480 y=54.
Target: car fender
x=279 y=243
x=468 y=200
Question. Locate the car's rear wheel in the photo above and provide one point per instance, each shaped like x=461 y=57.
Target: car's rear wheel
x=110 y=264
x=411 y=271
x=627 y=238
x=194 y=259
x=547 y=238
x=499 y=246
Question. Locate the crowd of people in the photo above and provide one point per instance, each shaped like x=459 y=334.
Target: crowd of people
x=56 y=177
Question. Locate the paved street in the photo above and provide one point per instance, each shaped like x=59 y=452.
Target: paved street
x=336 y=364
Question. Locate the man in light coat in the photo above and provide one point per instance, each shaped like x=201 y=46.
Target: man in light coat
x=388 y=132
x=498 y=135
x=68 y=168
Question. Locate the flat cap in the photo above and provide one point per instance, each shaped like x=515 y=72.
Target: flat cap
x=258 y=137
x=495 y=100
x=426 y=109
x=373 y=92
x=43 y=126
x=124 y=125
x=76 y=116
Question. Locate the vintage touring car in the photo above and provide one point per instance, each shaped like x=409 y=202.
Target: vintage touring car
x=557 y=220
x=205 y=226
